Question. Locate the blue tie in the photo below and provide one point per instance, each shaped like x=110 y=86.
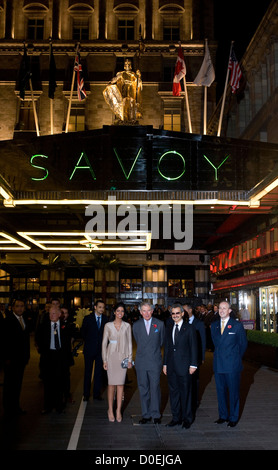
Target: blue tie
x=98 y=322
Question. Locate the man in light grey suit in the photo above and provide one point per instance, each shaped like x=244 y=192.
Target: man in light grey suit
x=149 y=335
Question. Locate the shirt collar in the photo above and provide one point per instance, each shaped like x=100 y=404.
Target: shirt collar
x=179 y=323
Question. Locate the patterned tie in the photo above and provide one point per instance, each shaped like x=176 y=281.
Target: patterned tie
x=176 y=334
x=21 y=322
x=56 y=337
x=222 y=326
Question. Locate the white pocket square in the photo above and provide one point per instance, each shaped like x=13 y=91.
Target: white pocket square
x=231 y=333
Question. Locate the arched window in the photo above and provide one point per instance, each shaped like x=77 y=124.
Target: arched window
x=81 y=13
x=35 y=14
x=171 y=14
x=126 y=15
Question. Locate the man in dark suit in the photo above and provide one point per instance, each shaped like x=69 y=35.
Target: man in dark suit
x=230 y=341
x=180 y=362
x=92 y=333
x=53 y=340
x=201 y=338
x=149 y=334
x=16 y=354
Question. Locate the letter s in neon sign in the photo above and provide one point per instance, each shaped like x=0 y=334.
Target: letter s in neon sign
x=40 y=167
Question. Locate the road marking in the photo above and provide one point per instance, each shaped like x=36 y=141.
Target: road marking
x=72 y=445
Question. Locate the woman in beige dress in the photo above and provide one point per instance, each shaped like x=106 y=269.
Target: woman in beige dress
x=116 y=346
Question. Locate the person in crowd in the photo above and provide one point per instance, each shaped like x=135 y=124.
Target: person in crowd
x=2 y=316
x=207 y=315
x=201 y=338
x=92 y=334
x=54 y=346
x=73 y=333
x=149 y=335
x=135 y=314
x=230 y=341
x=116 y=346
x=244 y=313
x=16 y=354
x=215 y=312
x=179 y=363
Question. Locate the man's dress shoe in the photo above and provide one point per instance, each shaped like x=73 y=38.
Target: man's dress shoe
x=220 y=421
x=145 y=420
x=173 y=423
x=232 y=424
x=186 y=424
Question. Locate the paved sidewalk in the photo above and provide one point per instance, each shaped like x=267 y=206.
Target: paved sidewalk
x=84 y=426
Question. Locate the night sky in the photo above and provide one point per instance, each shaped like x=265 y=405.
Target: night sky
x=235 y=21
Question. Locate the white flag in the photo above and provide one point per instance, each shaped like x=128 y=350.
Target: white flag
x=206 y=73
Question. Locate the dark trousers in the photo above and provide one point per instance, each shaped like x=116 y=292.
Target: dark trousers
x=53 y=371
x=195 y=390
x=148 y=382
x=89 y=362
x=13 y=376
x=180 y=388
x=227 y=387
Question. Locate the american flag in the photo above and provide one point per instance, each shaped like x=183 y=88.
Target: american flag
x=80 y=80
x=236 y=74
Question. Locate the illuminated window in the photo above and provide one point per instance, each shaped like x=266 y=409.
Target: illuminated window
x=77 y=118
x=26 y=283
x=131 y=284
x=80 y=284
x=26 y=121
x=35 y=28
x=180 y=282
x=172 y=120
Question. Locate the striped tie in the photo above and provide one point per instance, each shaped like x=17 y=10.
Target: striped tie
x=21 y=322
x=222 y=326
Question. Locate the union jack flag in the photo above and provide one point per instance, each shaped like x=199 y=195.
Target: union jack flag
x=236 y=73
x=80 y=80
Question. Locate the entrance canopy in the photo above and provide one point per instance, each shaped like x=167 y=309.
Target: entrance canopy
x=51 y=187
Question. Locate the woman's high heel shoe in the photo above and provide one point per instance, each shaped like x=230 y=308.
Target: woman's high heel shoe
x=119 y=417
x=111 y=417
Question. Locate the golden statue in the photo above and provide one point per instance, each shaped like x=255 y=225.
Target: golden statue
x=123 y=94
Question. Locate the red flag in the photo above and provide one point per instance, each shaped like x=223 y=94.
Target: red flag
x=180 y=72
x=235 y=71
x=80 y=80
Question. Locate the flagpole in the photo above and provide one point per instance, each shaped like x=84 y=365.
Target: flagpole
x=205 y=109
x=205 y=100
x=51 y=118
x=51 y=101
x=71 y=93
x=34 y=107
x=187 y=105
x=224 y=94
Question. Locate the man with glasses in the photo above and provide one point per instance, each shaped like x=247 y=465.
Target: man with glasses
x=180 y=362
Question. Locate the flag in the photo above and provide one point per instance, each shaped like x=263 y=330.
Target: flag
x=236 y=74
x=24 y=74
x=180 y=72
x=52 y=75
x=206 y=73
x=80 y=81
